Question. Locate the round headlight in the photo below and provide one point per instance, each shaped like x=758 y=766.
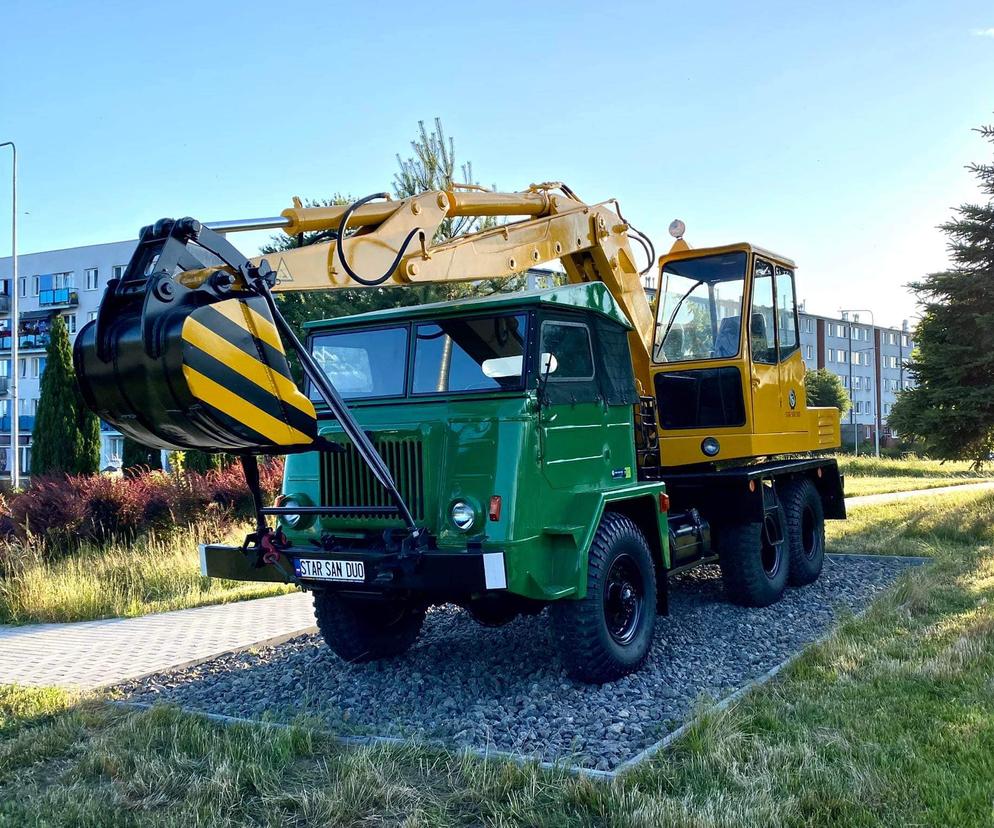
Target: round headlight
x=710 y=446
x=462 y=515
x=293 y=521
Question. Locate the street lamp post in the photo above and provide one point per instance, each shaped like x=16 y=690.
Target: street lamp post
x=876 y=409
x=15 y=449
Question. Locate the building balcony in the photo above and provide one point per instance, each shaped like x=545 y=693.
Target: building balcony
x=58 y=298
x=26 y=342
x=25 y=424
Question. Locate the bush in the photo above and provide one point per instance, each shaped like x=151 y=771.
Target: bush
x=63 y=512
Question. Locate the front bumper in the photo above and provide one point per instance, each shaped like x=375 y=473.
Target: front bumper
x=443 y=573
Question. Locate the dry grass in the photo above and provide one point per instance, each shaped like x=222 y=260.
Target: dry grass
x=153 y=574
x=889 y=722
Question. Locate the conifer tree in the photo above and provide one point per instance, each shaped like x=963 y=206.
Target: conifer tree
x=951 y=408
x=57 y=443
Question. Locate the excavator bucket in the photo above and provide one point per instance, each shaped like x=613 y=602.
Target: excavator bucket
x=183 y=356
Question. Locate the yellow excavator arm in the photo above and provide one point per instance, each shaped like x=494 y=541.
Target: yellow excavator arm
x=393 y=245
x=188 y=349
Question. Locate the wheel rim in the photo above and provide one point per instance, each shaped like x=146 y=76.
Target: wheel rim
x=623 y=599
x=809 y=537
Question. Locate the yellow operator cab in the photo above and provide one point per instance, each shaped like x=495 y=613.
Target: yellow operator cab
x=728 y=390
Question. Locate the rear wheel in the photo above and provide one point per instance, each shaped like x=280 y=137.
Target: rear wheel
x=607 y=634
x=753 y=569
x=805 y=531
x=358 y=629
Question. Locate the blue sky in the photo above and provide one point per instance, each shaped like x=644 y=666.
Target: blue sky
x=835 y=134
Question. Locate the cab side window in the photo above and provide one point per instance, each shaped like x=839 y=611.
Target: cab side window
x=786 y=312
x=566 y=353
x=762 y=317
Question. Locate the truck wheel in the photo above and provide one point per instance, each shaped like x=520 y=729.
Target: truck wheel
x=754 y=571
x=607 y=634
x=364 y=629
x=805 y=531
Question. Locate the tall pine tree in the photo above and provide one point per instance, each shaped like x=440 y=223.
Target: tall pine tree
x=951 y=409
x=66 y=436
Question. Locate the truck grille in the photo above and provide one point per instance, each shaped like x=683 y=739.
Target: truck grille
x=347 y=481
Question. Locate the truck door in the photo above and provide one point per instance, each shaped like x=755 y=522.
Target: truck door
x=776 y=370
x=575 y=436
x=761 y=336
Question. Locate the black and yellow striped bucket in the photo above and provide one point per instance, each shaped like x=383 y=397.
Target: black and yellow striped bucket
x=182 y=373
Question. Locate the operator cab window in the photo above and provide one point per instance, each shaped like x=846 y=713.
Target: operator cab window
x=786 y=312
x=762 y=320
x=700 y=310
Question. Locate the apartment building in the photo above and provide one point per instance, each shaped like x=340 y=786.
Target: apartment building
x=870 y=360
x=67 y=283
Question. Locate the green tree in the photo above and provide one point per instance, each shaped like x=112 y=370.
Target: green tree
x=431 y=165
x=950 y=409
x=825 y=389
x=66 y=435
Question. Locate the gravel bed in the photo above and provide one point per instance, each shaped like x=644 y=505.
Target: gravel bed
x=503 y=688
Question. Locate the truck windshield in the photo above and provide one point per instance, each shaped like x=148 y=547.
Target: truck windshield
x=484 y=353
x=700 y=311
x=363 y=364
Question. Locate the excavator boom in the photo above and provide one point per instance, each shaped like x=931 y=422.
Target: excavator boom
x=188 y=348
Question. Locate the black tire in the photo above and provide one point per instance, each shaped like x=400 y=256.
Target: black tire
x=754 y=571
x=805 y=531
x=607 y=634
x=358 y=629
x=492 y=614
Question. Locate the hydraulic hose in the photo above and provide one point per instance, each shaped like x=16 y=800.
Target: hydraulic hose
x=341 y=250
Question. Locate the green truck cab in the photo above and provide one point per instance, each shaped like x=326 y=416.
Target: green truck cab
x=507 y=423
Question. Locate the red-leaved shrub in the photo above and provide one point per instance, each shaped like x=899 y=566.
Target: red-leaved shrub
x=104 y=507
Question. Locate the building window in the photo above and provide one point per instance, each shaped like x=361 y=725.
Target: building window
x=831 y=354
x=22 y=367
x=91 y=316
x=4 y=287
x=830 y=329
x=118 y=271
x=115 y=448
x=845 y=382
x=92 y=278
x=809 y=352
x=71 y=322
x=37 y=366
x=843 y=356
x=906 y=340
x=24 y=285
x=25 y=459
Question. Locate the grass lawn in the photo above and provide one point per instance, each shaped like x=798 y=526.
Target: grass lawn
x=153 y=574
x=868 y=475
x=890 y=722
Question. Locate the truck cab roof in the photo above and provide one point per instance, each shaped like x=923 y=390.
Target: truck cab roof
x=590 y=296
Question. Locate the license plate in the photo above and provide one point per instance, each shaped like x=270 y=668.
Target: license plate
x=322 y=570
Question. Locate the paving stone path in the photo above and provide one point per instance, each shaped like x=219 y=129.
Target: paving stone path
x=93 y=654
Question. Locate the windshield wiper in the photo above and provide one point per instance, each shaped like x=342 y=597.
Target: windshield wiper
x=672 y=318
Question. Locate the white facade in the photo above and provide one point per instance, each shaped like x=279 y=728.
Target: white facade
x=870 y=360
x=68 y=283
